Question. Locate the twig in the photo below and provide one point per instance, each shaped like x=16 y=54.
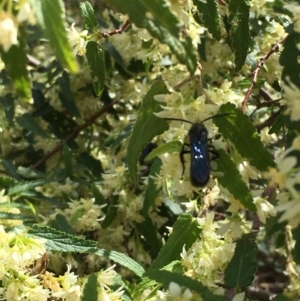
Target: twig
x=73 y=134
x=117 y=31
x=257 y=69
x=269 y=121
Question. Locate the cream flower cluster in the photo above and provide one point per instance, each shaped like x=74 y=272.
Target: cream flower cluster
x=9 y=23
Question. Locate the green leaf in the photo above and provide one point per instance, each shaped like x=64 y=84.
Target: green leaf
x=95 y=57
x=91 y=163
x=122 y=259
x=242 y=267
x=88 y=15
x=8 y=103
x=25 y=186
x=152 y=191
x=67 y=160
x=99 y=198
x=239 y=31
x=61 y=241
x=162 y=24
x=111 y=212
x=149 y=233
x=90 y=291
x=165 y=277
x=185 y=232
x=66 y=95
x=51 y=16
x=114 y=53
x=64 y=242
x=170 y=147
x=232 y=180
x=289 y=59
x=210 y=16
x=281 y=297
x=146 y=285
x=277 y=125
x=27 y=121
x=15 y=61
x=16 y=216
x=295 y=252
x=146 y=127
x=11 y=169
x=61 y=223
x=238 y=129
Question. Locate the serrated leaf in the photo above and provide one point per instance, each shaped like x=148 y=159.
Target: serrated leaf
x=277 y=125
x=170 y=147
x=28 y=122
x=242 y=267
x=165 y=277
x=210 y=16
x=239 y=31
x=50 y=15
x=238 y=129
x=61 y=241
x=146 y=127
x=66 y=95
x=90 y=291
x=289 y=58
x=149 y=232
x=96 y=60
x=185 y=232
x=232 y=180
x=25 y=186
x=88 y=15
x=152 y=190
x=17 y=69
x=162 y=24
x=16 y=216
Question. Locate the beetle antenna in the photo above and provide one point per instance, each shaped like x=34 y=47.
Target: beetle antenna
x=220 y=115
x=179 y=119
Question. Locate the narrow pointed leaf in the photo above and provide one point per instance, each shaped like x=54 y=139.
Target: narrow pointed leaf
x=88 y=15
x=146 y=127
x=185 y=232
x=95 y=57
x=238 y=129
x=242 y=267
x=51 y=16
x=210 y=16
x=15 y=61
x=239 y=31
x=232 y=180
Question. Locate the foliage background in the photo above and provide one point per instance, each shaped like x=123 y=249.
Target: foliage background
x=89 y=209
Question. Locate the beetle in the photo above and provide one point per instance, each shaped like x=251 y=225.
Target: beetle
x=199 y=151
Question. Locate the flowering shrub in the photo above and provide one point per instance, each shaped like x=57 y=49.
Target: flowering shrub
x=149 y=150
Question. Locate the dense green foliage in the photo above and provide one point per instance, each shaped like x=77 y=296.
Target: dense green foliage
x=95 y=203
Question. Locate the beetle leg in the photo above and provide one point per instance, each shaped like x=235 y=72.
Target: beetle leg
x=213 y=151
x=182 y=153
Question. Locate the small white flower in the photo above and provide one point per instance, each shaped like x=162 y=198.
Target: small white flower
x=291 y=99
x=77 y=40
x=9 y=31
